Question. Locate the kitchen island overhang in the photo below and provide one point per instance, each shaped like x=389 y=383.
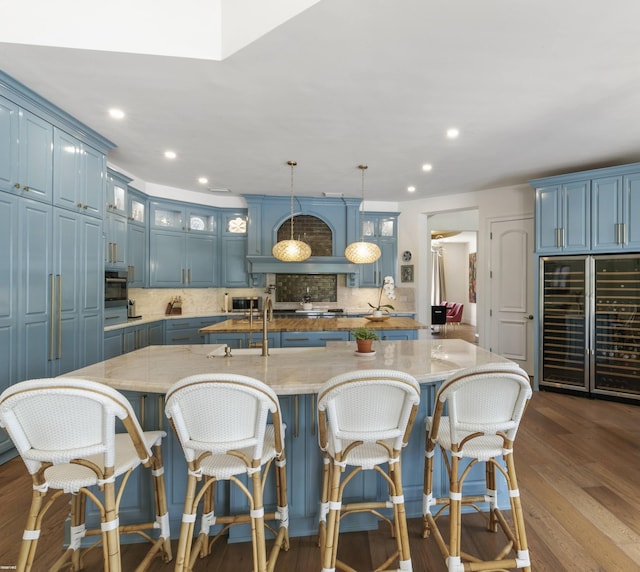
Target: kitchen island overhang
x=296 y=375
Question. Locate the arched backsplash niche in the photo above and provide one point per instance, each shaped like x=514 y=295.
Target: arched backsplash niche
x=310 y=229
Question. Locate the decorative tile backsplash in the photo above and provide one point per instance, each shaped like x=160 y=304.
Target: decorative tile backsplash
x=204 y=301
x=293 y=287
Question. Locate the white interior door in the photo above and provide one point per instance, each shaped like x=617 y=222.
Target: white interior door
x=511 y=312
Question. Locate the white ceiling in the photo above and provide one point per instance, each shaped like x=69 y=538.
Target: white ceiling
x=536 y=87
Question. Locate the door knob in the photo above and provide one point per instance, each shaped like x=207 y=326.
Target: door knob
x=529 y=317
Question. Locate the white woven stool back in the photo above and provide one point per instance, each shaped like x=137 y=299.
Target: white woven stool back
x=60 y=419
x=487 y=399
x=220 y=412
x=368 y=406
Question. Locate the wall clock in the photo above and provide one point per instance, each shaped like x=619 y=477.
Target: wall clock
x=406 y=255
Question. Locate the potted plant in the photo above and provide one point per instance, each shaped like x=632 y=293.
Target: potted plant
x=364 y=338
x=387 y=288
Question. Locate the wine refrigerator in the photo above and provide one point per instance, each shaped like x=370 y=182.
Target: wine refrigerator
x=590 y=324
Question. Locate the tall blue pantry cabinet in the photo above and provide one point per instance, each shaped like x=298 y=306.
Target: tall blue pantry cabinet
x=52 y=176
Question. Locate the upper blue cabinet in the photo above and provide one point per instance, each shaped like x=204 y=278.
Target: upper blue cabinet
x=562 y=217
x=616 y=200
x=47 y=155
x=183 y=245
x=26 y=153
x=78 y=175
x=589 y=211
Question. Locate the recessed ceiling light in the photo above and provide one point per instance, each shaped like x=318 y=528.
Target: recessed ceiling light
x=170 y=154
x=427 y=167
x=116 y=113
x=203 y=180
x=411 y=189
x=452 y=133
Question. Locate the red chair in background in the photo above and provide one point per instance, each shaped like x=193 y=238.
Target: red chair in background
x=454 y=313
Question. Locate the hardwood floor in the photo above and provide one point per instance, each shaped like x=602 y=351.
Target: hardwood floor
x=578 y=462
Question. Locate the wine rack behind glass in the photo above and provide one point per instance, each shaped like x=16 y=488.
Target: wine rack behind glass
x=617 y=325
x=564 y=323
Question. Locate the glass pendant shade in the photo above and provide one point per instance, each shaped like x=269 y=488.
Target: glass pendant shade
x=291 y=250
x=362 y=252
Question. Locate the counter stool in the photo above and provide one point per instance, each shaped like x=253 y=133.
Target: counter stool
x=221 y=421
x=65 y=432
x=485 y=405
x=364 y=419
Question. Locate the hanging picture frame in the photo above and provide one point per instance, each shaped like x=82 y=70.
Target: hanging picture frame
x=472 y=277
x=406 y=273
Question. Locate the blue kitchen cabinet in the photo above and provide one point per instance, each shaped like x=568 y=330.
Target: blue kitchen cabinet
x=182 y=246
x=136 y=255
x=201 y=260
x=115 y=241
x=36 y=287
x=60 y=290
x=79 y=173
x=244 y=340
x=116 y=192
x=129 y=338
x=179 y=260
x=233 y=249
x=615 y=200
x=181 y=331
x=26 y=153
x=112 y=344
x=398 y=335
x=137 y=241
x=166 y=264
x=562 y=217
x=312 y=339
x=140 y=336
x=8 y=300
x=115 y=221
x=381 y=229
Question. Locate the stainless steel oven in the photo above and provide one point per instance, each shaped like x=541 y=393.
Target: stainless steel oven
x=115 y=289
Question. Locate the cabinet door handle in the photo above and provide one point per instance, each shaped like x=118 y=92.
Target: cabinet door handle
x=17 y=185
x=59 y=315
x=623 y=232
x=189 y=276
x=296 y=411
x=27 y=189
x=182 y=281
x=51 y=320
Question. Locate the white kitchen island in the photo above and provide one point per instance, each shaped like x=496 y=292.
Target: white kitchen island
x=295 y=374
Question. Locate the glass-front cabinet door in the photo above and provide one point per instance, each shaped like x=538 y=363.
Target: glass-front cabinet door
x=616 y=355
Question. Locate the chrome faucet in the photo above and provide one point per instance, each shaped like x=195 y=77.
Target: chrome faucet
x=267 y=316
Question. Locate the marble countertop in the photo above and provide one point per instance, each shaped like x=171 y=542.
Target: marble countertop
x=148 y=318
x=312 y=325
x=289 y=371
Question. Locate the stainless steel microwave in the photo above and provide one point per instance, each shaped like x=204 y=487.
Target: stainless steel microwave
x=246 y=303
x=115 y=288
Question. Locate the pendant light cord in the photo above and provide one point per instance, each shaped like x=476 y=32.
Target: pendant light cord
x=362 y=168
x=292 y=164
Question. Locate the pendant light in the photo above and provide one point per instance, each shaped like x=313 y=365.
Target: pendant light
x=291 y=250
x=362 y=252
